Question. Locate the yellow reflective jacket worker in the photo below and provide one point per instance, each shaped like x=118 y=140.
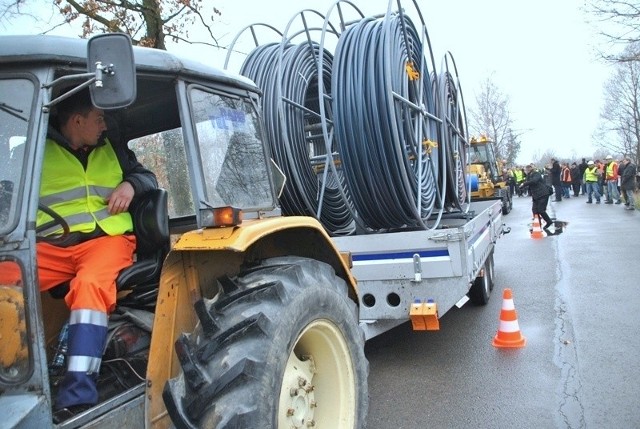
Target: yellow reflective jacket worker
x=591 y=174
x=81 y=203
x=519 y=175
x=612 y=171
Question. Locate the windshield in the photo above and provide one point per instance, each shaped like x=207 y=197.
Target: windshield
x=483 y=154
x=479 y=153
x=232 y=153
x=16 y=98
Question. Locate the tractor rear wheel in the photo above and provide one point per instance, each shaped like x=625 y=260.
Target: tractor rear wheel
x=279 y=347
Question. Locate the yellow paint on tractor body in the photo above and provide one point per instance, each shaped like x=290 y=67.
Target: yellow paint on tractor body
x=14 y=351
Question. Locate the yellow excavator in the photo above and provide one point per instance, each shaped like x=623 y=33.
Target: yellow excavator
x=485 y=174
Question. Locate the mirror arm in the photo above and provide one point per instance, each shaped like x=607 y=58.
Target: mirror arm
x=70 y=78
x=78 y=88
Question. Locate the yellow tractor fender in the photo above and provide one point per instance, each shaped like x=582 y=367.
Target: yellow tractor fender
x=264 y=238
x=192 y=271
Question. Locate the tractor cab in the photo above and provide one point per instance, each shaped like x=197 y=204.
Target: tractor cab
x=481 y=154
x=196 y=127
x=484 y=173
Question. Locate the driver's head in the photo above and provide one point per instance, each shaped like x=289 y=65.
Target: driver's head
x=79 y=121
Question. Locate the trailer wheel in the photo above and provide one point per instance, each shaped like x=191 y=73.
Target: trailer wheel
x=483 y=284
x=507 y=202
x=490 y=270
x=280 y=347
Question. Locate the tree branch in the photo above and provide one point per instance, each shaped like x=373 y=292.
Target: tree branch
x=109 y=24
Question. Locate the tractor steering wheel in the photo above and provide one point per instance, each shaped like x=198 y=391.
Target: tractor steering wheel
x=57 y=220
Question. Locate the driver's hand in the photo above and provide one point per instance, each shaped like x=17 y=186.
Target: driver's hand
x=120 y=198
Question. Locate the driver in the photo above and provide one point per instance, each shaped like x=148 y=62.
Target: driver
x=90 y=183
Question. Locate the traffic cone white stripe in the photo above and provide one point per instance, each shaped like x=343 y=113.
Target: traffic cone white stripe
x=509 y=326
x=507 y=304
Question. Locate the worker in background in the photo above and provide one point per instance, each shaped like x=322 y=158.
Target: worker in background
x=621 y=166
x=583 y=167
x=611 y=179
x=554 y=172
x=539 y=194
x=628 y=183
x=601 y=183
x=90 y=183
x=565 y=179
x=576 y=179
x=520 y=176
x=511 y=181
x=592 y=175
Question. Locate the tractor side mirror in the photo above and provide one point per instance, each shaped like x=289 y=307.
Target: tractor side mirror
x=110 y=59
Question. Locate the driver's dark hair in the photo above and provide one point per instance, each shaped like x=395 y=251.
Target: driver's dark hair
x=79 y=102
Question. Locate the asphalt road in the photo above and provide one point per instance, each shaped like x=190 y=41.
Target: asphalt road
x=576 y=296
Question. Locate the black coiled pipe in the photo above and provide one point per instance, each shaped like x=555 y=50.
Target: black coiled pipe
x=290 y=112
x=453 y=114
x=389 y=147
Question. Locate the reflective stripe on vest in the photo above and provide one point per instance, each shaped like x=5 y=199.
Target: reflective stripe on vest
x=590 y=174
x=79 y=195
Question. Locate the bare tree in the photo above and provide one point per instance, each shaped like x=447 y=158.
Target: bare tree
x=542 y=160
x=492 y=118
x=512 y=147
x=620 y=127
x=148 y=22
x=619 y=24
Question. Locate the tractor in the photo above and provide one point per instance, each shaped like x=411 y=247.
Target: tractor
x=231 y=315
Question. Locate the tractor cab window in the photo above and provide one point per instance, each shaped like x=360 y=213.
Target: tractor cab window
x=16 y=99
x=479 y=154
x=483 y=154
x=232 y=154
x=164 y=154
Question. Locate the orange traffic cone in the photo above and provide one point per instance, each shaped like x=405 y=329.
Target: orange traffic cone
x=536 y=229
x=508 y=332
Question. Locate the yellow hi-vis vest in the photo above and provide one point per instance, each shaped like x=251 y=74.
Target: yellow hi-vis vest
x=591 y=174
x=519 y=176
x=80 y=195
x=610 y=169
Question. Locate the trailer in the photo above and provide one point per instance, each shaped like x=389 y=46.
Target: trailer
x=403 y=274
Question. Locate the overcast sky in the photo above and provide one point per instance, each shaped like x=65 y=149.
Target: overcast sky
x=539 y=54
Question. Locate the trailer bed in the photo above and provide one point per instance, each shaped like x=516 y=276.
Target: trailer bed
x=396 y=269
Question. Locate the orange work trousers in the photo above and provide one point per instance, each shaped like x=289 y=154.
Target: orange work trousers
x=91 y=268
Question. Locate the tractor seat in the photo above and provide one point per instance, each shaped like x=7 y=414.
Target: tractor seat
x=150 y=216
